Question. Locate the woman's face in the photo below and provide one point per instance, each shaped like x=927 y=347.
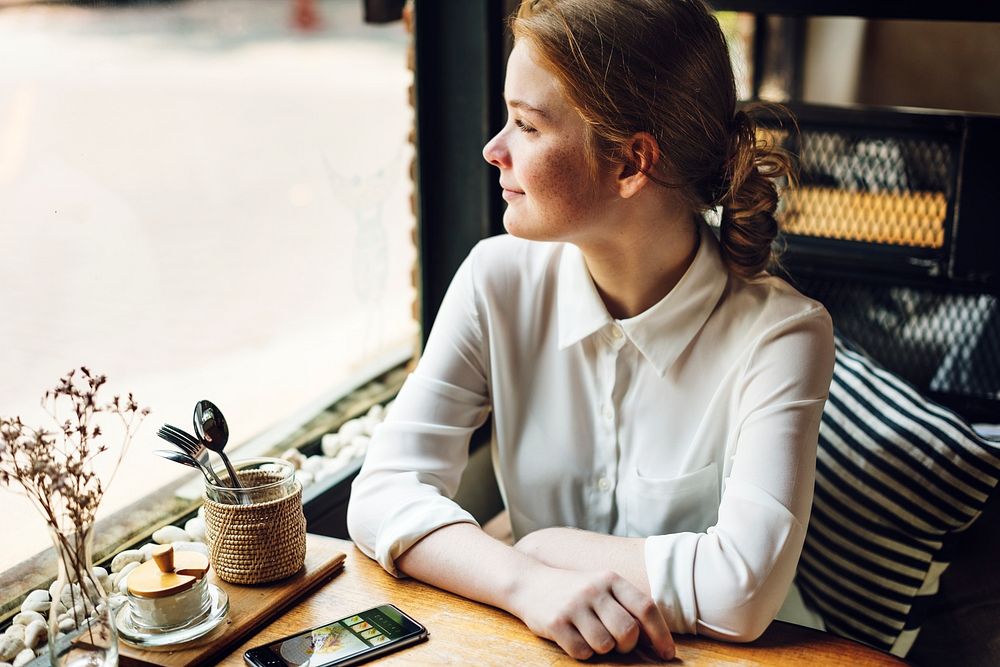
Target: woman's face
x=550 y=191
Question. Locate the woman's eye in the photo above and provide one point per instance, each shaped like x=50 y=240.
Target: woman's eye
x=523 y=127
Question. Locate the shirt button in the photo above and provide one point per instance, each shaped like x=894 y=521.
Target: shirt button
x=616 y=333
x=608 y=412
x=604 y=484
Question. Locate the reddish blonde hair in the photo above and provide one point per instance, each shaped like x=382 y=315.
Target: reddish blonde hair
x=662 y=67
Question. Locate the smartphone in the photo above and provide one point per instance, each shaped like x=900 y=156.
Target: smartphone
x=348 y=641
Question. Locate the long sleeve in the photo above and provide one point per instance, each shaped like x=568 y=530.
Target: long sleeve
x=730 y=581
x=417 y=455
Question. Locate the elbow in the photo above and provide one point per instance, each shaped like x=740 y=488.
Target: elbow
x=740 y=624
x=749 y=629
x=359 y=523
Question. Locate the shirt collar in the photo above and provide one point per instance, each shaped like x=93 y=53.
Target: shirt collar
x=663 y=331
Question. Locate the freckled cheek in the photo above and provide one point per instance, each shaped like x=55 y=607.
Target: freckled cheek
x=559 y=176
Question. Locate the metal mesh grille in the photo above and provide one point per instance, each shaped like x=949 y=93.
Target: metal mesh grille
x=942 y=342
x=874 y=189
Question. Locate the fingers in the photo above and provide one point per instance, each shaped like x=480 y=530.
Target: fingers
x=571 y=641
x=623 y=628
x=644 y=610
x=594 y=632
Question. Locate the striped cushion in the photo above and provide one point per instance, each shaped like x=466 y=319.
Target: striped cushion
x=897 y=477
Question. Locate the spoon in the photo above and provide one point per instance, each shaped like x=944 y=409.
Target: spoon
x=213 y=431
x=191 y=447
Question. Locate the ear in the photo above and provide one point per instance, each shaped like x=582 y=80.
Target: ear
x=641 y=155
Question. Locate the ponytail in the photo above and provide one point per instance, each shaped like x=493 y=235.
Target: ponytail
x=750 y=198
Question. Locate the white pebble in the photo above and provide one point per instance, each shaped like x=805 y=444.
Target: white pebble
x=70 y=594
x=41 y=606
x=10 y=646
x=370 y=423
x=15 y=631
x=58 y=609
x=376 y=411
x=201 y=512
x=359 y=445
x=195 y=528
x=169 y=534
x=295 y=457
x=128 y=568
x=119 y=576
x=37 y=595
x=67 y=624
x=23 y=658
x=331 y=444
x=122 y=585
x=305 y=478
x=147 y=550
x=99 y=572
x=313 y=464
x=200 y=547
x=26 y=618
x=124 y=558
x=338 y=462
x=35 y=634
x=325 y=472
x=351 y=428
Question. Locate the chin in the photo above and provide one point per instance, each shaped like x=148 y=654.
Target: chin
x=517 y=226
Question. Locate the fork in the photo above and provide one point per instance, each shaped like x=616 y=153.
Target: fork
x=187 y=444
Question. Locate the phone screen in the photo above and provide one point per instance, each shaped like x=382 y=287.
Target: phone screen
x=340 y=641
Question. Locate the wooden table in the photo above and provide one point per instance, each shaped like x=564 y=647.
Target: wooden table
x=469 y=633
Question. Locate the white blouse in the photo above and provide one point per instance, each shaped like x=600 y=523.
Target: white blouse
x=693 y=424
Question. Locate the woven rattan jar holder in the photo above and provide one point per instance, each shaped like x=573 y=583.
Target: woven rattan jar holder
x=260 y=542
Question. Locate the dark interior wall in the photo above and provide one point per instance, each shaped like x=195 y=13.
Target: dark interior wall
x=935 y=64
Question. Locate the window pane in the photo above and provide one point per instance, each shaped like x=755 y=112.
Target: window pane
x=199 y=199
x=738 y=28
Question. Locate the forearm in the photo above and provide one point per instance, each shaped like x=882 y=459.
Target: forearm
x=574 y=549
x=461 y=558
x=584 y=612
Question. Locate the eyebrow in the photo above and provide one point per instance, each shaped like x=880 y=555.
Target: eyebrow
x=521 y=104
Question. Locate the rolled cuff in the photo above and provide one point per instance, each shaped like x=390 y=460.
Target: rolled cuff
x=670 y=569
x=409 y=524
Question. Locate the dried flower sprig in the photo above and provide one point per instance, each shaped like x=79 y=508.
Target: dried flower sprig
x=56 y=468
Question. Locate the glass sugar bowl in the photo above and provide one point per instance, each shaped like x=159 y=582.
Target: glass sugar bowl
x=170 y=600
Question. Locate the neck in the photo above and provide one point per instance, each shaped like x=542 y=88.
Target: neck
x=646 y=260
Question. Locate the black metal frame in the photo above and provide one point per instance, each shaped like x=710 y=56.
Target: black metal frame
x=459 y=77
x=955 y=10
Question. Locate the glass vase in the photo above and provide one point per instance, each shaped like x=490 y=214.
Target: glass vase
x=82 y=629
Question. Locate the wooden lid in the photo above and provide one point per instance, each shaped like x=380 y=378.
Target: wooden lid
x=168 y=572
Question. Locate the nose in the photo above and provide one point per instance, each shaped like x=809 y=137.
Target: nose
x=495 y=151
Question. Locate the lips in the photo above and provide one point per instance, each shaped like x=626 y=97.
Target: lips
x=510 y=194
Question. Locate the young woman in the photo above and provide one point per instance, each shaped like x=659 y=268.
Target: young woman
x=656 y=396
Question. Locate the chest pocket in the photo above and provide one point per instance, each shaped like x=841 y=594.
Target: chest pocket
x=657 y=506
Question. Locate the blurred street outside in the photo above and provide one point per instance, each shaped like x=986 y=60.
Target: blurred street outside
x=200 y=200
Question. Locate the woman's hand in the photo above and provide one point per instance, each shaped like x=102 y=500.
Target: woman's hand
x=589 y=612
